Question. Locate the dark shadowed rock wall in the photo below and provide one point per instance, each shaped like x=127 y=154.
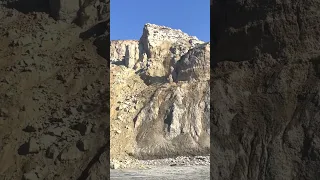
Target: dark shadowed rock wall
x=265 y=90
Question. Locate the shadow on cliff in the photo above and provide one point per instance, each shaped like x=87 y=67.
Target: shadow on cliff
x=316 y=65
x=102 y=41
x=30 y=6
x=148 y=80
x=167 y=64
x=119 y=63
x=102 y=44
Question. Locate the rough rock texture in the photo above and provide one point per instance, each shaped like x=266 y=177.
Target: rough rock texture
x=282 y=29
x=53 y=114
x=194 y=65
x=152 y=118
x=164 y=47
x=265 y=106
x=174 y=122
x=158 y=49
x=82 y=12
x=124 y=52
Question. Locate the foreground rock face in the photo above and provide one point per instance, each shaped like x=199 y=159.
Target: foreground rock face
x=265 y=107
x=81 y=12
x=53 y=114
x=161 y=89
x=281 y=29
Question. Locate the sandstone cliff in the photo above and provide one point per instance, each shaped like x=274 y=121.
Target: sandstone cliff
x=265 y=90
x=160 y=95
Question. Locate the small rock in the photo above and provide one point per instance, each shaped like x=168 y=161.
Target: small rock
x=28 y=61
x=120 y=118
x=58 y=131
x=69 y=78
x=4 y=112
x=61 y=78
x=72 y=111
x=83 y=145
x=15 y=43
x=84 y=128
x=29 y=51
x=47 y=140
x=36 y=98
x=29 y=166
x=94 y=128
x=12 y=34
x=102 y=91
x=92 y=176
x=70 y=153
x=30 y=176
x=114 y=164
x=6 y=80
x=33 y=146
x=52 y=152
x=87 y=108
x=29 y=129
x=36 y=174
x=88 y=88
x=28 y=69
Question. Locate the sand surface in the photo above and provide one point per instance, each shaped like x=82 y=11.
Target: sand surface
x=162 y=172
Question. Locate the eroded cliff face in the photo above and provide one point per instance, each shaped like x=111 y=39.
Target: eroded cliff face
x=265 y=90
x=161 y=89
x=158 y=49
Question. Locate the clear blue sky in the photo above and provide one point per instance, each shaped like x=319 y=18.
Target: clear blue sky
x=127 y=17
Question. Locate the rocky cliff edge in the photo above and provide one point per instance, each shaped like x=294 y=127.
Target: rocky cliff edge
x=160 y=95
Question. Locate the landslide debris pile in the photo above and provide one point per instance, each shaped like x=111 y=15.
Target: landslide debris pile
x=53 y=93
x=265 y=95
x=159 y=96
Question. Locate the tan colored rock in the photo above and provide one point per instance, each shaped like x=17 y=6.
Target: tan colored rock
x=173 y=121
x=164 y=46
x=130 y=56
x=156 y=117
x=158 y=49
x=194 y=65
x=118 y=50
